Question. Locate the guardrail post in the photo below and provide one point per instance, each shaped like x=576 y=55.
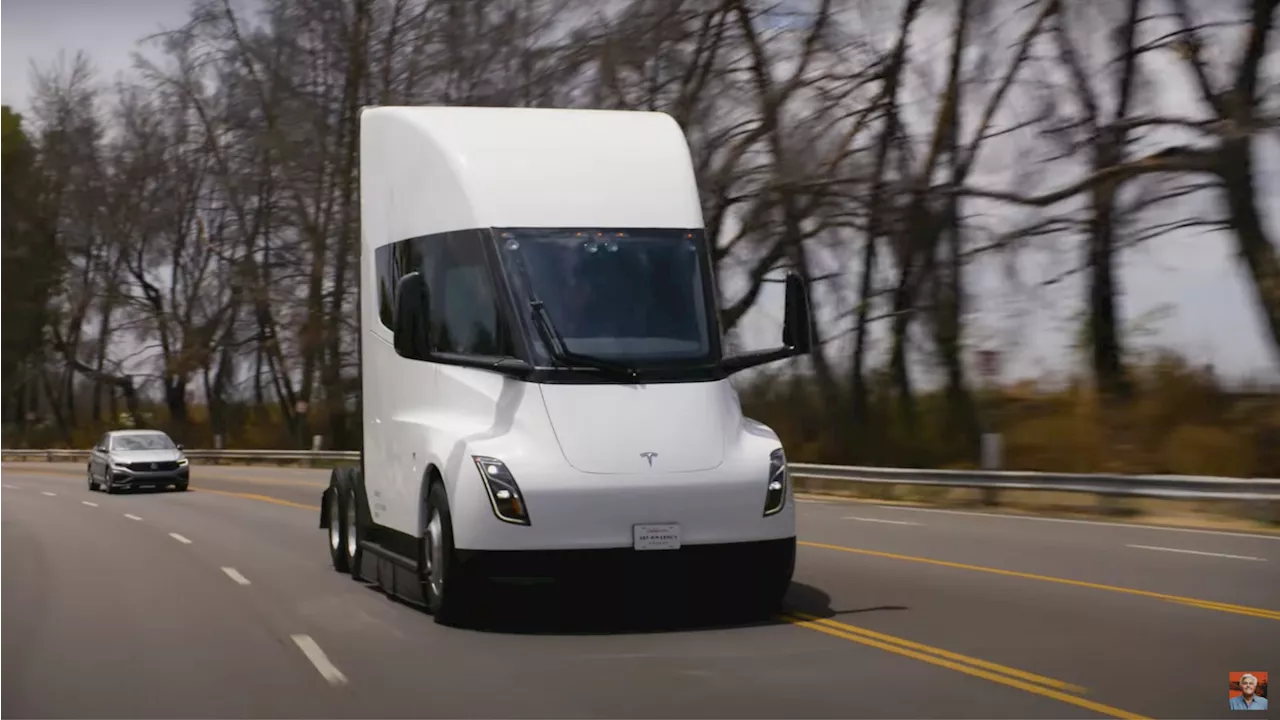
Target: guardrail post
x=992 y=449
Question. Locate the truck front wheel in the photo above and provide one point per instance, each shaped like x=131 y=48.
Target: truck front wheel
x=445 y=583
x=759 y=593
x=336 y=501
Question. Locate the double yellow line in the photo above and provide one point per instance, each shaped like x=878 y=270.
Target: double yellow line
x=259 y=498
x=1262 y=613
x=993 y=672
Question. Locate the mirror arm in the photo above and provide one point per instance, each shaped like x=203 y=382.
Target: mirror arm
x=756 y=358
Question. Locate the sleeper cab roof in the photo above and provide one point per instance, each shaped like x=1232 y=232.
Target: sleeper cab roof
x=426 y=170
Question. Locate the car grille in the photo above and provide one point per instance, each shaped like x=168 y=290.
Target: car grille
x=154 y=466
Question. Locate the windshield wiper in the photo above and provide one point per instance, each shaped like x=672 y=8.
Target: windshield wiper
x=555 y=343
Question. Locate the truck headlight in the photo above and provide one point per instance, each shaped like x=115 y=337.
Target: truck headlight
x=776 y=493
x=504 y=494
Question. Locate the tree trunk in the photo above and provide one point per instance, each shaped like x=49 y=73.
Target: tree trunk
x=1252 y=243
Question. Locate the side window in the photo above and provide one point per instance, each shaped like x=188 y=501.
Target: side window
x=465 y=319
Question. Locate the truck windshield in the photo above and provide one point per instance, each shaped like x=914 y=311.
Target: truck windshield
x=636 y=297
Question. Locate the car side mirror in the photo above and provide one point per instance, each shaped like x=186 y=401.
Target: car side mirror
x=797 y=327
x=180 y=447
x=412 y=317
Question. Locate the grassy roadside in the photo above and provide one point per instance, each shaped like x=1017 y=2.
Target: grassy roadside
x=1202 y=514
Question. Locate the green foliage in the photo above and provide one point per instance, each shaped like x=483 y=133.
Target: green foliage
x=1180 y=420
x=30 y=262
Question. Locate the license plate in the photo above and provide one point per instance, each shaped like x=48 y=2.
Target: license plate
x=656 y=537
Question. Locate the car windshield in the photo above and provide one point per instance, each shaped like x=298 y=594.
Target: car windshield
x=150 y=441
x=637 y=297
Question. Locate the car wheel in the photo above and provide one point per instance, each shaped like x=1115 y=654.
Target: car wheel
x=93 y=485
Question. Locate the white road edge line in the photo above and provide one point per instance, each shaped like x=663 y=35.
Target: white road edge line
x=1134 y=526
x=1198 y=552
x=878 y=520
x=46 y=492
x=235 y=575
x=317 y=657
x=132 y=517
x=90 y=504
x=179 y=538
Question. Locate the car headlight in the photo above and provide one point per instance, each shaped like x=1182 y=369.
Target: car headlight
x=504 y=494
x=182 y=462
x=776 y=491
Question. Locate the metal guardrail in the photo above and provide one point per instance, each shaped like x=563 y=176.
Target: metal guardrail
x=1186 y=487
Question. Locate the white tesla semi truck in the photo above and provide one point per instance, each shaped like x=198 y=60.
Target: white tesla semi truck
x=545 y=390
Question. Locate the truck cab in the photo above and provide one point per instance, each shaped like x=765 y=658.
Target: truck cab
x=545 y=387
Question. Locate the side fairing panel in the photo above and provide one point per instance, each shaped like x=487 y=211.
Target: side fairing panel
x=441 y=424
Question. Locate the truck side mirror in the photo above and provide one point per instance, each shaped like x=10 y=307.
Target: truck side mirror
x=797 y=332
x=412 y=317
x=797 y=327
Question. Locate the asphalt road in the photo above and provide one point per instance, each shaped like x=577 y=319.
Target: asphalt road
x=220 y=602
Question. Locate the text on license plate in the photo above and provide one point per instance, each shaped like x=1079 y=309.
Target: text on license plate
x=656 y=537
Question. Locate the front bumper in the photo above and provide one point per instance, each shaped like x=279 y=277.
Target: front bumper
x=716 y=564
x=124 y=477
x=570 y=510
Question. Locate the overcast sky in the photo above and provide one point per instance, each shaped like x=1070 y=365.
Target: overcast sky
x=1213 y=317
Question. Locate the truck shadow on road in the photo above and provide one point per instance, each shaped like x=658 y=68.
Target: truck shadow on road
x=551 y=610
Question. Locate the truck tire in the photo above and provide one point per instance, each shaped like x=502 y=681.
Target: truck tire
x=353 y=528
x=445 y=585
x=761 y=596
x=336 y=499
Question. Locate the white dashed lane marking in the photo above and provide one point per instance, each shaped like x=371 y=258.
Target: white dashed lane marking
x=317 y=657
x=235 y=575
x=1198 y=552
x=179 y=538
x=878 y=520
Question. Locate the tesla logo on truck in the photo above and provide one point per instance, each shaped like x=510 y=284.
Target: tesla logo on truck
x=649 y=456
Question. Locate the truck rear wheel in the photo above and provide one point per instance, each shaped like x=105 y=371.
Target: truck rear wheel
x=351 y=524
x=445 y=584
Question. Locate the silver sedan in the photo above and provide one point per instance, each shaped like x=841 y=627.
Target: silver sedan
x=135 y=459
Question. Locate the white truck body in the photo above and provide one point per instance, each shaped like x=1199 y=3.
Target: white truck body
x=610 y=426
